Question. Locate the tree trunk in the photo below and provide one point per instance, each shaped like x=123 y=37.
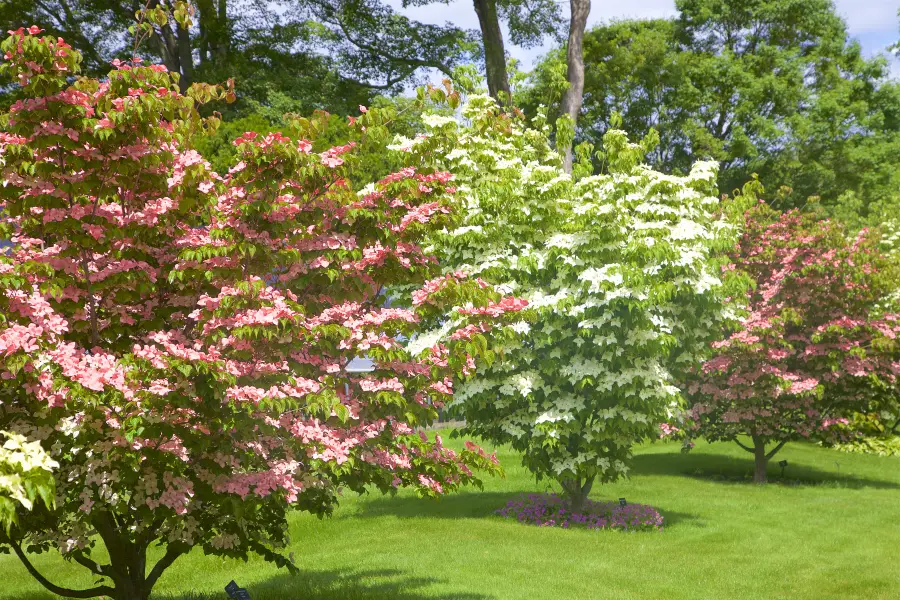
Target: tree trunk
x=185 y=58
x=130 y=590
x=761 y=459
x=494 y=53
x=208 y=22
x=576 y=493
x=223 y=39
x=572 y=99
x=168 y=48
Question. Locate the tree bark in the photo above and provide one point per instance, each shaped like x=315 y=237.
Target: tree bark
x=576 y=493
x=185 y=58
x=760 y=460
x=494 y=52
x=223 y=39
x=208 y=22
x=573 y=98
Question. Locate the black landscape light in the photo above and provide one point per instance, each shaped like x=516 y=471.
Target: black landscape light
x=782 y=464
x=622 y=502
x=236 y=593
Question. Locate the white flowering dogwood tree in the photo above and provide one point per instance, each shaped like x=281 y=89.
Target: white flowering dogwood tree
x=621 y=274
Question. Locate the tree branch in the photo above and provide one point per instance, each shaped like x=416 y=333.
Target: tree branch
x=391 y=82
x=90 y=565
x=747 y=448
x=776 y=449
x=172 y=553
x=329 y=11
x=102 y=590
x=118 y=553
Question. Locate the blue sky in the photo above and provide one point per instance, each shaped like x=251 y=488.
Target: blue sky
x=873 y=22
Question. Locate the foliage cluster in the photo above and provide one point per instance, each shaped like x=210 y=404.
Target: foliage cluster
x=621 y=272
x=772 y=87
x=176 y=339
x=810 y=352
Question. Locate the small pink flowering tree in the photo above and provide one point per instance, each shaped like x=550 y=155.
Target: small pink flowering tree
x=809 y=353
x=176 y=341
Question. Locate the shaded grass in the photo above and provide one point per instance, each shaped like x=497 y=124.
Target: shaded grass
x=829 y=530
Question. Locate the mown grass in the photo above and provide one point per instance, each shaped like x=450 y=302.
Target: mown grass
x=829 y=530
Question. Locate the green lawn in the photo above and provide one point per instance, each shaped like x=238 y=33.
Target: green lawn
x=827 y=532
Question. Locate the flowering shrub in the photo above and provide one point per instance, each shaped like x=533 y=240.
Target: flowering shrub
x=621 y=276
x=890 y=246
x=551 y=510
x=25 y=476
x=811 y=352
x=877 y=444
x=176 y=340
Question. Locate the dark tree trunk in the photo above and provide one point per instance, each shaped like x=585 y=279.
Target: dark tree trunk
x=167 y=44
x=494 y=53
x=127 y=568
x=208 y=22
x=760 y=459
x=572 y=99
x=577 y=491
x=185 y=59
x=223 y=40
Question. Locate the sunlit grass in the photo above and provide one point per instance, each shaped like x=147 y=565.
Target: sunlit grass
x=829 y=529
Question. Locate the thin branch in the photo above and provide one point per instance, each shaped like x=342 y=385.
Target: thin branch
x=90 y=565
x=391 y=82
x=747 y=448
x=102 y=590
x=172 y=553
x=776 y=449
x=336 y=20
x=588 y=484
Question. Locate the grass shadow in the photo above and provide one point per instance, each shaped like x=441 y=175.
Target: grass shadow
x=382 y=584
x=465 y=505
x=733 y=470
x=460 y=505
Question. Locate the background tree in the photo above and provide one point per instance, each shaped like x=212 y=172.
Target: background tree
x=370 y=35
x=879 y=428
x=618 y=269
x=227 y=39
x=176 y=340
x=772 y=87
x=573 y=96
x=810 y=353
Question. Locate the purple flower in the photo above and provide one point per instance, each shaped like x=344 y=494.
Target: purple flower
x=550 y=510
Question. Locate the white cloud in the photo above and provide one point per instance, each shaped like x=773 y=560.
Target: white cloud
x=864 y=16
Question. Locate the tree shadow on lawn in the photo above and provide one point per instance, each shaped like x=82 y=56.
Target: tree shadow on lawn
x=728 y=469
x=468 y=505
x=382 y=584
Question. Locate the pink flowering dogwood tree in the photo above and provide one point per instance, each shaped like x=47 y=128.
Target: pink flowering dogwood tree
x=177 y=341
x=810 y=351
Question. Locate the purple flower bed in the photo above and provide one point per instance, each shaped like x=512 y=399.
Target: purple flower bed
x=549 y=510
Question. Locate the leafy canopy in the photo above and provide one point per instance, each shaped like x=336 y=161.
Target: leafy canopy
x=176 y=340
x=772 y=87
x=812 y=350
x=621 y=276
